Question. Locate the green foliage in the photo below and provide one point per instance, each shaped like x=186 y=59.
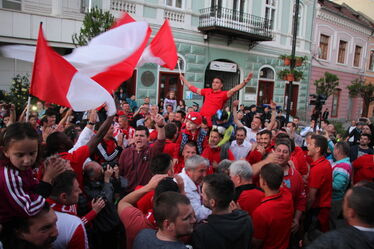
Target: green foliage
x=339 y=127
x=359 y=88
x=94 y=23
x=298 y=75
x=327 y=84
x=19 y=92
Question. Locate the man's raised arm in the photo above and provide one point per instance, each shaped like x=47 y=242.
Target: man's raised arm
x=240 y=86
x=189 y=85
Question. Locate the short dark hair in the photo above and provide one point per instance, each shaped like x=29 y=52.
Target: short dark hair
x=165 y=206
x=166 y=184
x=161 y=163
x=63 y=183
x=284 y=141
x=343 y=147
x=293 y=124
x=220 y=188
x=272 y=174
x=20 y=224
x=326 y=121
x=267 y=132
x=170 y=130
x=361 y=200
x=320 y=142
x=366 y=135
x=241 y=129
x=218 y=78
x=142 y=128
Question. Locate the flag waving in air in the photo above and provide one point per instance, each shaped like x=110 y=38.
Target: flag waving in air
x=55 y=80
x=161 y=50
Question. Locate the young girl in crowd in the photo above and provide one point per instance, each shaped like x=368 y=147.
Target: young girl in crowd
x=21 y=193
x=182 y=105
x=170 y=100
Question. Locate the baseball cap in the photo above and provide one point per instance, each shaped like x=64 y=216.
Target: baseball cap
x=194 y=117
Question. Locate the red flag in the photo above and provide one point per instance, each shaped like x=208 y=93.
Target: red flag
x=116 y=74
x=162 y=49
x=55 y=80
x=126 y=18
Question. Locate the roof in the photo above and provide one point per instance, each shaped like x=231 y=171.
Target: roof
x=347 y=12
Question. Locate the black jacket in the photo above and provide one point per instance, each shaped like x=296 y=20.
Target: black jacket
x=226 y=231
x=344 y=238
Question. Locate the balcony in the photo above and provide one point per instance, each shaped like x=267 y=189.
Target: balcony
x=233 y=23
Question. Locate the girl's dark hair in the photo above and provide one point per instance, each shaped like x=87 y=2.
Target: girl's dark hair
x=184 y=102
x=18 y=132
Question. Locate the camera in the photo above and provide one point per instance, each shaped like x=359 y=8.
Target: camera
x=111 y=164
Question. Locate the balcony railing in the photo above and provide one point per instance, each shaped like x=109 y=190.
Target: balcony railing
x=235 y=23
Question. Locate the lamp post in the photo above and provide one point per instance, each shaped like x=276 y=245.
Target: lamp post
x=293 y=61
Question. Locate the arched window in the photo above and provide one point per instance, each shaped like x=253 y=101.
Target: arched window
x=267 y=73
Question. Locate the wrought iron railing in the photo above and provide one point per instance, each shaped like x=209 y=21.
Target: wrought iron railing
x=236 y=20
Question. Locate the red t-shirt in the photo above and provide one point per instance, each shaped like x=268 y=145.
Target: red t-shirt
x=77 y=158
x=320 y=178
x=254 y=157
x=249 y=200
x=363 y=168
x=146 y=202
x=214 y=154
x=134 y=221
x=299 y=160
x=213 y=101
x=272 y=220
x=294 y=182
x=169 y=147
x=178 y=167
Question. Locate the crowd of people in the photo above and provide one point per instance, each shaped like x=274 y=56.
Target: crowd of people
x=183 y=177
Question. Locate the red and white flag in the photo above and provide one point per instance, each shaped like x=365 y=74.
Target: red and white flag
x=162 y=49
x=55 y=80
x=125 y=19
x=109 y=58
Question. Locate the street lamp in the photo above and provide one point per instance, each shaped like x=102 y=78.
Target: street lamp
x=292 y=66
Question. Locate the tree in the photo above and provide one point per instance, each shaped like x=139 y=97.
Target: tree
x=360 y=88
x=19 y=92
x=94 y=23
x=327 y=84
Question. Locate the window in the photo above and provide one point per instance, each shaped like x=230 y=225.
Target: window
x=356 y=60
x=341 y=53
x=371 y=61
x=175 y=3
x=335 y=103
x=323 y=46
x=267 y=73
x=11 y=4
x=270 y=12
x=299 y=19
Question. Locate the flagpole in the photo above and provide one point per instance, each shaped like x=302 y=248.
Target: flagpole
x=179 y=69
x=28 y=108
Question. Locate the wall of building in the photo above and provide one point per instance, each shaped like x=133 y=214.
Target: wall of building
x=339 y=28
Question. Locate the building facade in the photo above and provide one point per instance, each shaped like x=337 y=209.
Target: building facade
x=341 y=40
x=226 y=38
x=369 y=71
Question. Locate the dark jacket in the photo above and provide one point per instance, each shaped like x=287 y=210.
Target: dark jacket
x=226 y=231
x=344 y=238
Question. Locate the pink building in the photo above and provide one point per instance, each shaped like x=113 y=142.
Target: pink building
x=341 y=38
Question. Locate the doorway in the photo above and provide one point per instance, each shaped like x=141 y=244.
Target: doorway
x=169 y=82
x=295 y=94
x=265 y=92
